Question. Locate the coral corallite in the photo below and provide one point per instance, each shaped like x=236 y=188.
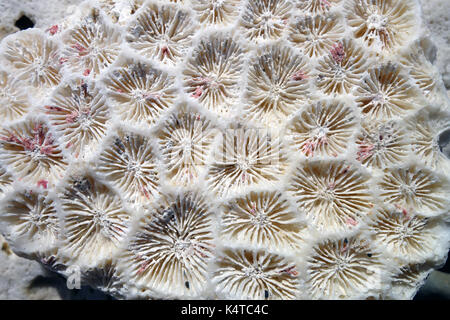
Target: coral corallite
x=228 y=149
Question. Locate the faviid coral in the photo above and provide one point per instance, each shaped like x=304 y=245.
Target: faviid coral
x=228 y=149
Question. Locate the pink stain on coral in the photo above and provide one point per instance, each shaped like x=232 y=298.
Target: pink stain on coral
x=53 y=108
x=40 y=141
x=198 y=92
x=151 y=96
x=145 y=192
x=337 y=52
x=86 y=72
x=291 y=271
x=299 y=75
x=71 y=118
x=312 y=144
x=43 y=184
x=308 y=148
x=79 y=47
x=119 y=230
x=53 y=29
x=165 y=51
x=325 y=4
x=365 y=151
x=202 y=251
x=143 y=267
x=404 y=211
x=202 y=83
x=351 y=222
x=253 y=209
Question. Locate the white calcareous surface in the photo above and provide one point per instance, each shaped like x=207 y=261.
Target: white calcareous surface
x=42 y=13
x=437 y=16
x=95 y=226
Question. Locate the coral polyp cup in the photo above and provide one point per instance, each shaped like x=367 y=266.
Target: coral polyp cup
x=234 y=149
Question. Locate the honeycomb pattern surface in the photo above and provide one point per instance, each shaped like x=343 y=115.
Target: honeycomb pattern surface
x=228 y=149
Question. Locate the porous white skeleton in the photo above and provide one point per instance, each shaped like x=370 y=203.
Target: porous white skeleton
x=253 y=149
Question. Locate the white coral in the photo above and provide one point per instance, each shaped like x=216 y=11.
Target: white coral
x=246 y=157
x=34 y=58
x=344 y=268
x=95 y=221
x=212 y=73
x=386 y=93
x=14 y=102
x=316 y=35
x=30 y=220
x=382 y=23
x=415 y=190
x=139 y=93
x=162 y=32
x=322 y=129
x=249 y=274
x=238 y=149
x=342 y=69
x=262 y=219
x=277 y=84
x=334 y=196
x=79 y=113
x=170 y=250
x=186 y=141
x=265 y=19
x=29 y=149
x=90 y=46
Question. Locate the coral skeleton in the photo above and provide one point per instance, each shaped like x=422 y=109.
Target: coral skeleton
x=14 y=101
x=382 y=144
x=172 y=246
x=79 y=114
x=277 y=83
x=386 y=94
x=322 y=129
x=228 y=149
x=186 y=140
x=139 y=93
x=216 y=11
x=162 y=32
x=344 y=268
x=265 y=19
x=264 y=217
x=333 y=195
x=129 y=163
x=31 y=218
x=34 y=58
x=212 y=73
x=95 y=221
x=341 y=70
x=404 y=236
x=316 y=7
x=29 y=149
x=382 y=23
x=316 y=35
x=90 y=46
x=246 y=157
x=250 y=274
